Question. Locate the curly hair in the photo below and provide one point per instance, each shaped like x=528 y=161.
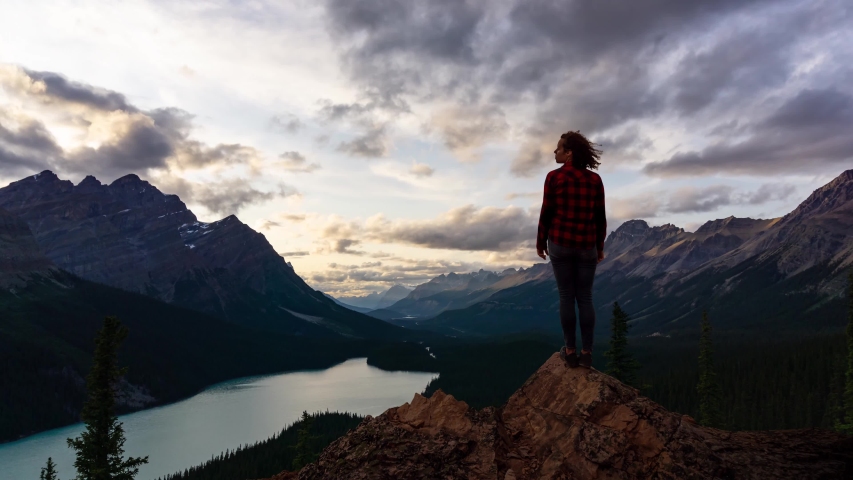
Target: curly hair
x=584 y=153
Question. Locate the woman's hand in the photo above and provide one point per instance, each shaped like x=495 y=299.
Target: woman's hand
x=600 y=256
x=542 y=253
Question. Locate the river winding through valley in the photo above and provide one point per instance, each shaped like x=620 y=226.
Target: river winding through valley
x=224 y=416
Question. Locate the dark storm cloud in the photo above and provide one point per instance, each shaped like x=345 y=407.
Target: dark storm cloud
x=809 y=130
x=140 y=139
x=463 y=228
x=31 y=136
x=26 y=148
x=740 y=64
x=59 y=88
x=154 y=142
x=13 y=163
x=223 y=197
x=592 y=66
x=141 y=146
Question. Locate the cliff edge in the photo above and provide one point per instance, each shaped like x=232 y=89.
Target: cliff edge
x=568 y=424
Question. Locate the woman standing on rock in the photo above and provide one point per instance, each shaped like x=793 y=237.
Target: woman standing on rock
x=572 y=226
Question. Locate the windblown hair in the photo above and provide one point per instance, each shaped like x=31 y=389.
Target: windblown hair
x=584 y=153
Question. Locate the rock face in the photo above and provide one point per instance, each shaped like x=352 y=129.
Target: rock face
x=819 y=230
x=637 y=250
x=20 y=255
x=131 y=236
x=569 y=424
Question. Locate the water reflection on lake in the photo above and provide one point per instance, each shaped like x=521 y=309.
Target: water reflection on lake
x=237 y=412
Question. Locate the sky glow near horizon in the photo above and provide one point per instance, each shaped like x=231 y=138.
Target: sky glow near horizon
x=381 y=142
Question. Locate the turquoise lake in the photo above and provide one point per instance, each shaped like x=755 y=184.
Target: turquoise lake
x=224 y=416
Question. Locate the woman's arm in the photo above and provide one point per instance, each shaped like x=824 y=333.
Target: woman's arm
x=600 y=221
x=545 y=216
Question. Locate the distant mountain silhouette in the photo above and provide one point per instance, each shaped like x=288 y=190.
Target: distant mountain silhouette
x=454 y=291
x=48 y=320
x=129 y=235
x=786 y=272
x=376 y=300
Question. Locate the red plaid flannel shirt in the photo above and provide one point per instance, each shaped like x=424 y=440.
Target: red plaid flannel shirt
x=572 y=210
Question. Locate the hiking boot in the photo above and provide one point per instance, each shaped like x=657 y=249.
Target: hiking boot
x=585 y=360
x=571 y=359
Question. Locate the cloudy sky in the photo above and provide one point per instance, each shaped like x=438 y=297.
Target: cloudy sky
x=388 y=141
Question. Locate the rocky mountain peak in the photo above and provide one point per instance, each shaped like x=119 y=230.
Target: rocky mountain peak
x=131 y=236
x=568 y=423
x=89 y=184
x=129 y=179
x=743 y=228
x=836 y=194
x=45 y=176
x=631 y=227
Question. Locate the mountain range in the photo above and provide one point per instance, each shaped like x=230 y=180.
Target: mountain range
x=785 y=273
x=375 y=300
x=131 y=236
x=204 y=302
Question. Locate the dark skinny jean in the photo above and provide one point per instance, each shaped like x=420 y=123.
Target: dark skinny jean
x=574 y=270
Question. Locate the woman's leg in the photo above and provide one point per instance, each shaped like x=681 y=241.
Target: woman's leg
x=586 y=263
x=565 y=266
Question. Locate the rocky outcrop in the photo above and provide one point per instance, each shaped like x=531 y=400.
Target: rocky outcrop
x=131 y=236
x=569 y=424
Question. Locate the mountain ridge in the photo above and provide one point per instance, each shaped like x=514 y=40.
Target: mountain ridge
x=750 y=272
x=131 y=236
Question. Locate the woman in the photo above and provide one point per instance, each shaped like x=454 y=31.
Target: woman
x=572 y=227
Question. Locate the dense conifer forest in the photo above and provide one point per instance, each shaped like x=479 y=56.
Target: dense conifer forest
x=266 y=458
x=764 y=384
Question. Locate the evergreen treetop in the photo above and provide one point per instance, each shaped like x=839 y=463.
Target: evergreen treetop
x=621 y=365
x=48 y=472
x=100 y=448
x=305 y=443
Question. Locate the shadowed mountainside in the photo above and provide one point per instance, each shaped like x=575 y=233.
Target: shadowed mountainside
x=749 y=274
x=129 y=235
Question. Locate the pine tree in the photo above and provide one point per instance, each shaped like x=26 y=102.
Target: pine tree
x=305 y=443
x=100 y=448
x=847 y=425
x=621 y=365
x=708 y=388
x=48 y=472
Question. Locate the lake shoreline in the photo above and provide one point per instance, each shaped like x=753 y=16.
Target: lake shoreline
x=159 y=404
x=226 y=415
